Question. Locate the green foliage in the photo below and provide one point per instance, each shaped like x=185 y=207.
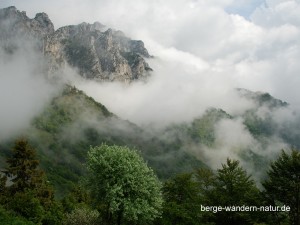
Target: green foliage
x=53 y=118
x=77 y=198
x=53 y=213
x=202 y=129
x=27 y=205
x=66 y=109
x=23 y=170
x=182 y=203
x=259 y=127
x=61 y=153
x=206 y=180
x=82 y=216
x=9 y=218
x=267 y=99
x=29 y=195
x=234 y=183
x=282 y=186
x=233 y=187
x=3 y=188
x=186 y=194
x=63 y=140
x=72 y=122
x=123 y=185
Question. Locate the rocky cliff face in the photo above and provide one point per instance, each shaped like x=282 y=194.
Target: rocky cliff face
x=104 y=55
x=15 y=23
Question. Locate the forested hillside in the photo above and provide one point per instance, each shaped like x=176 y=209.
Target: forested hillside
x=66 y=158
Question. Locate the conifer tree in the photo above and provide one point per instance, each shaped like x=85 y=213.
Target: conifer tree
x=282 y=186
x=234 y=187
x=24 y=173
x=181 y=206
x=29 y=194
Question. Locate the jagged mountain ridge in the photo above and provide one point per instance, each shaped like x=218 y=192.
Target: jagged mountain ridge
x=73 y=121
x=104 y=55
x=14 y=22
x=108 y=55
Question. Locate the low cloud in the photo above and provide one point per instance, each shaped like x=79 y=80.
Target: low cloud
x=258 y=52
x=178 y=91
x=203 y=51
x=234 y=141
x=24 y=90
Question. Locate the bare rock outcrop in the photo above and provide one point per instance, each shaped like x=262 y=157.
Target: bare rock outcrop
x=97 y=52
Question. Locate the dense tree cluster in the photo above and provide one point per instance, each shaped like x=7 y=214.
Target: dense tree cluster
x=119 y=188
x=25 y=190
x=221 y=197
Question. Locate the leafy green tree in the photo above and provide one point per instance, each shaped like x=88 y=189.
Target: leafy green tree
x=233 y=187
x=282 y=186
x=181 y=201
x=122 y=185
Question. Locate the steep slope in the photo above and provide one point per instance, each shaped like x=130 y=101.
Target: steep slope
x=14 y=23
x=262 y=121
x=253 y=137
x=98 y=53
x=105 y=56
x=73 y=122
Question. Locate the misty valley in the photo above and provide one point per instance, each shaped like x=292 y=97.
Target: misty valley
x=91 y=134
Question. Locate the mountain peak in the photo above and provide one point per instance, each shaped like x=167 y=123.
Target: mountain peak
x=95 y=51
x=11 y=8
x=12 y=12
x=15 y=23
x=262 y=98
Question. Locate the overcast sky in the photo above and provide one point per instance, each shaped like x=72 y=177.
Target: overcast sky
x=203 y=49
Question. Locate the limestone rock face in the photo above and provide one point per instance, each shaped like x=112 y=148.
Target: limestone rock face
x=97 y=52
x=15 y=23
